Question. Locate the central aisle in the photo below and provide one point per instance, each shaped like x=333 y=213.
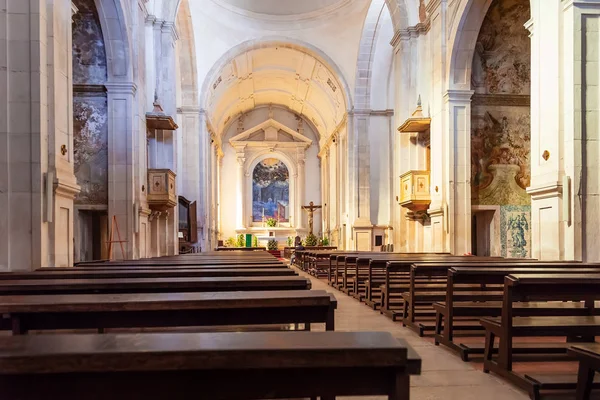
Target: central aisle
x=444 y=376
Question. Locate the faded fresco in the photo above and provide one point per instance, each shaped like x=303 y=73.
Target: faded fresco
x=501 y=122
x=91 y=148
x=270 y=191
x=90 y=109
x=89 y=54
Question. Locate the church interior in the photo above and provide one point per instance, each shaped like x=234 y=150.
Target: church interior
x=312 y=199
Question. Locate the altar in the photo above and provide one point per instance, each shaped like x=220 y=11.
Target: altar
x=280 y=234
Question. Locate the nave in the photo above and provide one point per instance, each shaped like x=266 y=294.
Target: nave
x=443 y=375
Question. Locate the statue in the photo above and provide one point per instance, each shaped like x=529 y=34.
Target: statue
x=310 y=209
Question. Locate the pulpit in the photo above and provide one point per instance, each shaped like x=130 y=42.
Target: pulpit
x=161 y=189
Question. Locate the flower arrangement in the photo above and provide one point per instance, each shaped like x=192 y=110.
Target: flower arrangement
x=254 y=241
x=325 y=241
x=271 y=222
x=289 y=242
x=231 y=242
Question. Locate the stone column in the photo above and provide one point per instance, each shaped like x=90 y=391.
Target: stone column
x=565 y=141
x=121 y=102
x=240 y=193
x=457 y=173
x=37 y=184
x=301 y=190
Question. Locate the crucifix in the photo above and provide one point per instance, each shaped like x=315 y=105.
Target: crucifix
x=310 y=209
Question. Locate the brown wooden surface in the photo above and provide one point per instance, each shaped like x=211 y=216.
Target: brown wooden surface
x=173 y=366
x=151 y=285
x=103 y=311
x=164 y=267
x=74 y=273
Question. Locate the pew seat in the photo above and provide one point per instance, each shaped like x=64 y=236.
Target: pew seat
x=265 y=365
x=103 y=311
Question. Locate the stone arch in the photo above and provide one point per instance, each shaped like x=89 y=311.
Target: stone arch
x=366 y=54
x=399 y=12
x=188 y=79
x=116 y=37
x=274 y=41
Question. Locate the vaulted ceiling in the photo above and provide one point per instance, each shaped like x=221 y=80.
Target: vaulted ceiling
x=286 y=76
x=282 y=7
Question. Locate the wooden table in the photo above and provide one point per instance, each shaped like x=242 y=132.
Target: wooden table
x=99 y=273
x=143 y=310
x=151 y=285
x=252 y=365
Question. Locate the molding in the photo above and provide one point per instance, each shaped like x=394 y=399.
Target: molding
x=121 y=88
x=85 y=88
x=268 y=124
x=189 y=110
x=459 y=96
x=529 y=26
x=412 y=32
x=501 y=100
x=367 y=111
x=545 y=191
x=67 y=188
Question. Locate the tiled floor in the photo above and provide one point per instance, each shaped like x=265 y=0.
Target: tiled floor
x=444 y=375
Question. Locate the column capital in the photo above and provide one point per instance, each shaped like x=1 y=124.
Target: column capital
x=458 y=96
x=121 y=88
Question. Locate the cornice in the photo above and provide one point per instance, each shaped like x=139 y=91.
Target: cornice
x=463 y=96
x=66 y=188
x=411 y=32
x=189 y=110
x=545 y=191
x=121 y=88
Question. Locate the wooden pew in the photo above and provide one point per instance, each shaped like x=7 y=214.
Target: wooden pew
x=372 y=268
x=264 y=365
x=244 y=249
x=487 y=304
x=588 y=356
x=542 y=287
x=150 y=285
x=397 y=280
x=152 y=310
x=134 y=267
x=94 y=273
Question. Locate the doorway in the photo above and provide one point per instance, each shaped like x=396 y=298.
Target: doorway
x=93 y=235
x=485 y=225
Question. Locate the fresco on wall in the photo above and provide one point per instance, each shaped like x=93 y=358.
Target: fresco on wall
x=89 y=54
x=500 y=162
x=502 y=58
x=90 y=108
x=91 y=148
x=500 y=122
x=270 y=191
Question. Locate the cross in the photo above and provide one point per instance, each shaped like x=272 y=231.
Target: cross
x=310 y=209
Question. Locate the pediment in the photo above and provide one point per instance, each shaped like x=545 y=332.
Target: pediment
x=270 y=131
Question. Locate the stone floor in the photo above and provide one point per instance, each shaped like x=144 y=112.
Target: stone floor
x=444 y=376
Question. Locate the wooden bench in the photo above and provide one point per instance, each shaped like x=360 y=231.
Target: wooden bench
x=74 y=273
x=169 y=267
x=486 y=304
x=539 y=287
x=265 y=365
x=398 y=278
x=151 y=285
x=588 y=356
x=144 y=310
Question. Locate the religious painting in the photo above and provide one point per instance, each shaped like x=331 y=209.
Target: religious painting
x=270 y=191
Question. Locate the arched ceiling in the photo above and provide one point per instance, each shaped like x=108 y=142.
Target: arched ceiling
x=281 y=7
x=284 y=75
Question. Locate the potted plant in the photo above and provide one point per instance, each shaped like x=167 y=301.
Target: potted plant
x=271 y=222
x=325 y=241
x=241 y=241
x=311 y=240
x=289 y=242
x=273 y=245
x=231 y=242
x=254 y=241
